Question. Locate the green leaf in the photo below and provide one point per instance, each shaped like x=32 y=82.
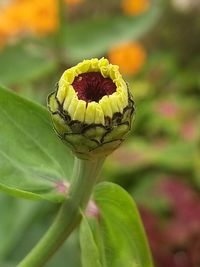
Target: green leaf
x=116 y=237
x=10 y=228
x=90 y=252
x=94 y=37
x=24 y=63
x=34 y=163
x=68 y=254
x=33 y=218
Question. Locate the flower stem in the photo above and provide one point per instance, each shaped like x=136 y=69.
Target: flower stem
x=85 y=176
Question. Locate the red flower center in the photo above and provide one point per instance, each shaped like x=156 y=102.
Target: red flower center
x=92 y=86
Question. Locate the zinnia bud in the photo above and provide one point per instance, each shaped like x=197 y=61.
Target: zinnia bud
x=91 y=108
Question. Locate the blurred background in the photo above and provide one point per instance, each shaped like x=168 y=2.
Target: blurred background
x=156 y=45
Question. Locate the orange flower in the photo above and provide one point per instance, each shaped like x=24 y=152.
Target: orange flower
x=130 y=57
x=135 y=7
x=44 y=17
x=28 y=17
x=73 y=2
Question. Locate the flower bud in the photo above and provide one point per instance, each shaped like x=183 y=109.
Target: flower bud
x=91 y=108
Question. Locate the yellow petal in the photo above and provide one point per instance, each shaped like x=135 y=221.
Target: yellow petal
x=114 y=103
x=73 y=106
x=106 y=107
x=69 y=75
x=94 y=64
x=99 y=115
x=94 y=112
x=104 y=72
x=69 y=96
x=61 y=93
x=123 y=92
x=114 y=72
x=90 y=113
x=79 y=114
x=83 y=66
x=103 y=62
x=120 y=103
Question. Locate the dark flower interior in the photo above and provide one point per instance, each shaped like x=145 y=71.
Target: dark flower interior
x=92 y=86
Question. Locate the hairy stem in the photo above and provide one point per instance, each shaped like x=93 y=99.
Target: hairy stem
x=85 y=176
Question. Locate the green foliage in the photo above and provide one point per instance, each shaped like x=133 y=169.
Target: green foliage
x=23 y=63
x=33 y=165
x=10 y=234
x=90 y=251
x=21 y=226
x=100 y=34
x=114 y=238
x=33 y=162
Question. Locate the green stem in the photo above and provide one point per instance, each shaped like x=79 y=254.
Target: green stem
x=85 y=176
